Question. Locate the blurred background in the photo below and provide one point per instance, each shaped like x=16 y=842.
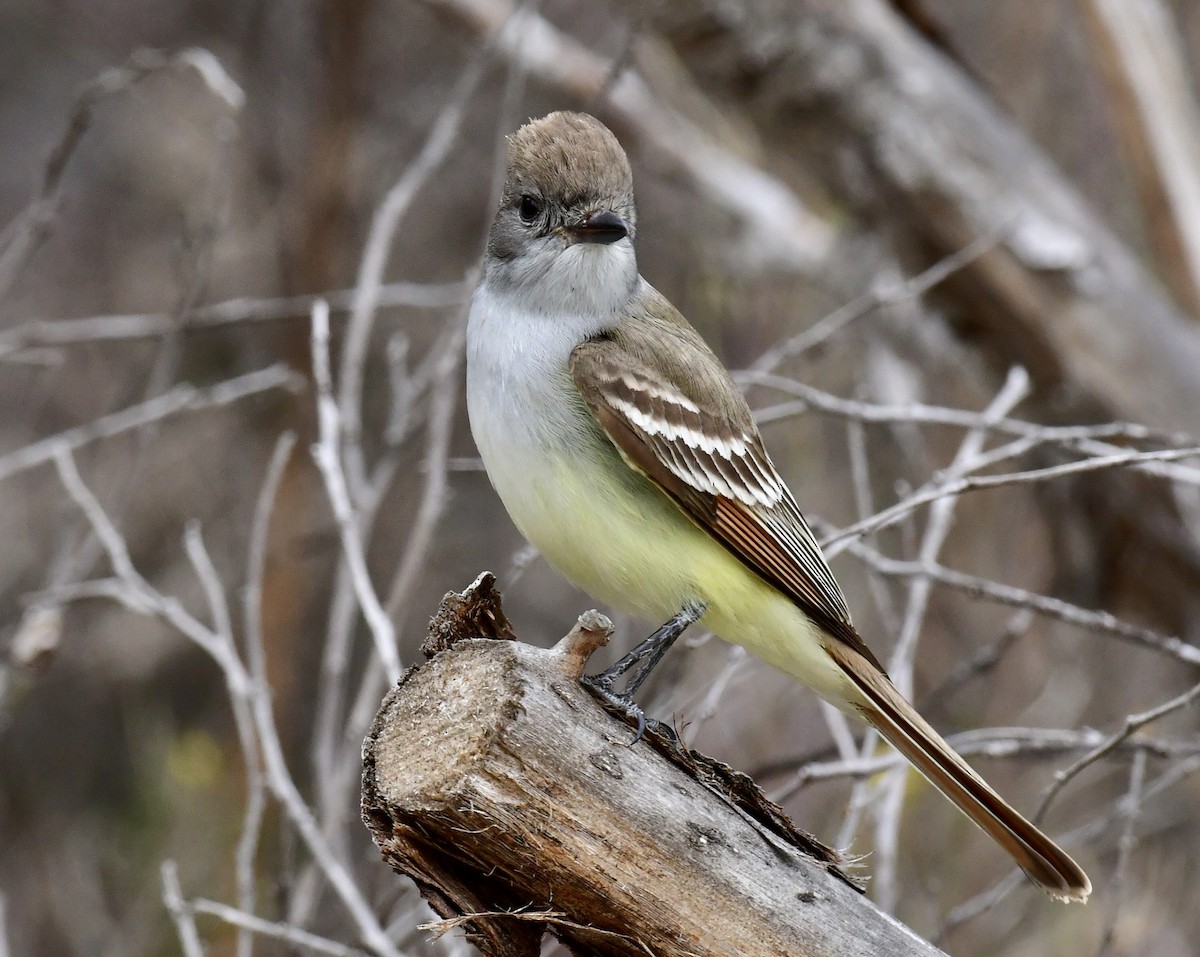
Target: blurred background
x=892 y=217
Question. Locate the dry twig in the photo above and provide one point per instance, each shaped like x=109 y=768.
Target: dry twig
x=182 y=398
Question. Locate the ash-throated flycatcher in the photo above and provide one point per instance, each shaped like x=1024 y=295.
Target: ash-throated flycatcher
x=624 y=451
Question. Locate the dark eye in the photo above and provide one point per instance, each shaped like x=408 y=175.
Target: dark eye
x=530 y=209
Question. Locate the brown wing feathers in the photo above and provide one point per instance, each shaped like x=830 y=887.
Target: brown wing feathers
x=719 y=476
x=712 y=464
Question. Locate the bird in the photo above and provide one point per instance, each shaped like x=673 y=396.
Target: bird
x=623 y=450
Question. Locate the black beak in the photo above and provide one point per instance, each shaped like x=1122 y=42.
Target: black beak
x=602 y=226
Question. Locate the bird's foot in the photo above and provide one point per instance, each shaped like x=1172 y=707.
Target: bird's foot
x=643 y=657
x=601 y=686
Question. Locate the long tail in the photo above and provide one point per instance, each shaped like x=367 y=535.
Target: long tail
x=1046 y=864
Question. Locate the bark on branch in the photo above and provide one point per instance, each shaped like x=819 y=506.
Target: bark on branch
x=515 y=801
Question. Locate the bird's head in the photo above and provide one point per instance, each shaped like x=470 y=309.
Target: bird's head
x=563 y=233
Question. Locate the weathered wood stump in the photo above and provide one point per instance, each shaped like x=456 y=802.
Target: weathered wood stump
x=518 y=805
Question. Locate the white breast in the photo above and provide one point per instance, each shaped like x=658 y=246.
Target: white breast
x=518 y=378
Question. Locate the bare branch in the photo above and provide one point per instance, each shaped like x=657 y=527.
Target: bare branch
x=1088 y=619
x=864 y=505
x=1133 y=724
x=334 y=761
x=1088 y=439
x=436 y=487
x=16 y=343
x=937 y=528
x=182 y=398
x=374 y=262
x=181 y=913
x=277 y=931
x=28 y=228
x=938 y=490
x=778 y=228
x=1133 y=797
x=116 y=549
x=328 y=458
x=916 y=413
x=984 y=901
x=882 y=294
x=991 y=743
x=210 y=581
x=134 y=590
x=252 y=817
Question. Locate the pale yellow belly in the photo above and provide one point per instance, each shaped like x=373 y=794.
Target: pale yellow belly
x=629 y=546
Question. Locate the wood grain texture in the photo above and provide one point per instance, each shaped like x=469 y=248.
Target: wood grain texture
x=498 y=783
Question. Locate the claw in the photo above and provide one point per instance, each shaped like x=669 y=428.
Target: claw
x=647 y=654
x=601 y=686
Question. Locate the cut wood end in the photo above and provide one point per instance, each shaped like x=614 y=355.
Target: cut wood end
x=590 y=633
x=439 y=722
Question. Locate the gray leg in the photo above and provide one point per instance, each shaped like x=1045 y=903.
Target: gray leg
x=645 y=656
